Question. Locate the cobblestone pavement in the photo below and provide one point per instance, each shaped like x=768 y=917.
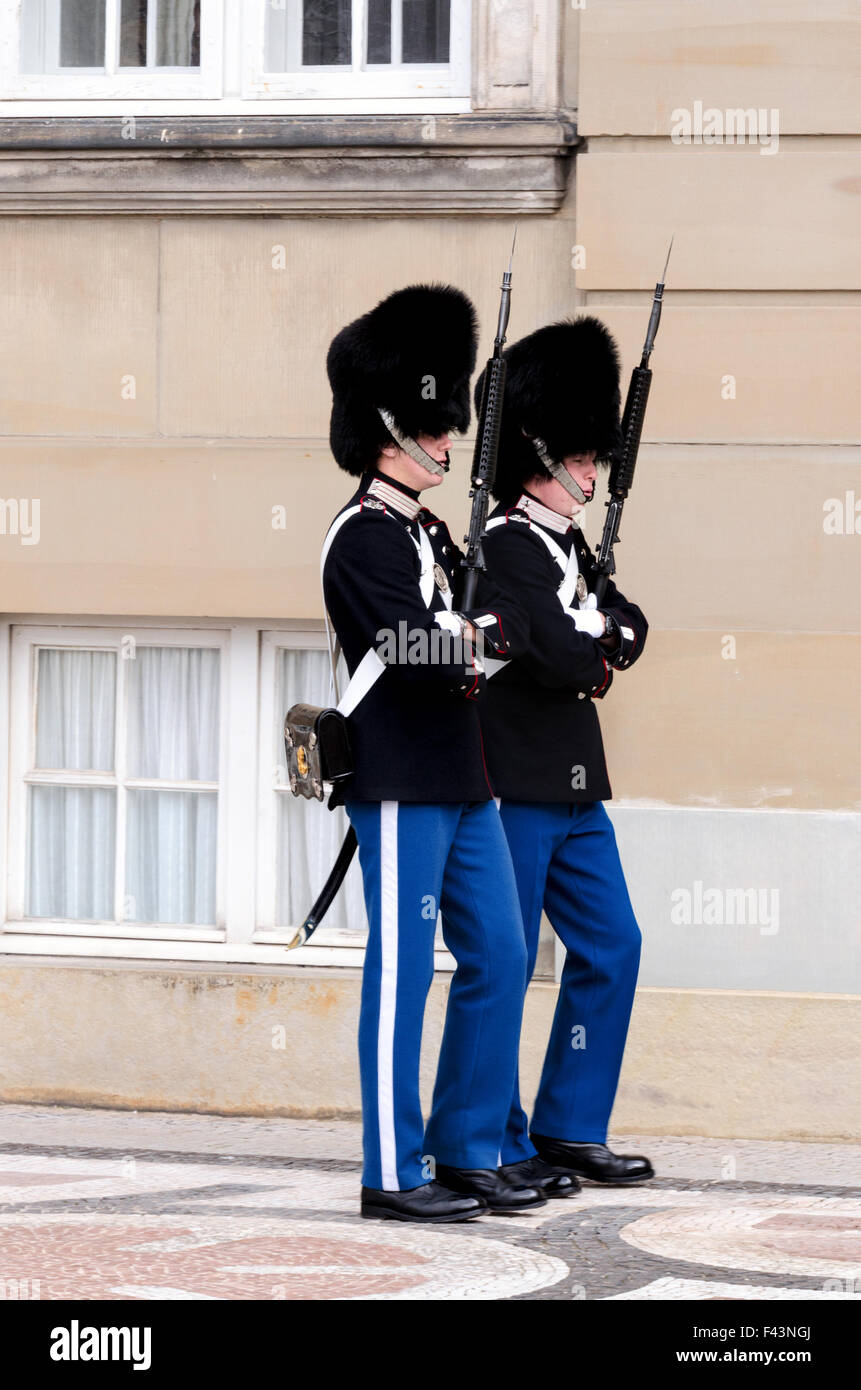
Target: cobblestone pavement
x=135 y=1205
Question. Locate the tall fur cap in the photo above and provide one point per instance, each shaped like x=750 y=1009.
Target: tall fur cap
x=413 y=355
x=562 y=385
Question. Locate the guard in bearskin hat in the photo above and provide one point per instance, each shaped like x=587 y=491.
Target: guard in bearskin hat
x=543 y=740
x=430 y=838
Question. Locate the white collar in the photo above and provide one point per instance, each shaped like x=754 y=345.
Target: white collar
x=544 y=516
x=394 y=498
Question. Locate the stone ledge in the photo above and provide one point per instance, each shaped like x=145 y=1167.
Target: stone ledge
x=301 y=166
x=201 y=133
x=164 y=1037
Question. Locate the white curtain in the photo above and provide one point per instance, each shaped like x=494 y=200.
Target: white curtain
x=309 y=834
x=71 y=853
x=170 y=856
x=71 y=830
x=173 y=713
x=178 y=28
x=82 y=33
x=171 y=836
x=75 y=710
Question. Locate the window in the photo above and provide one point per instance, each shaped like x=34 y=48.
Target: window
x=223 y=56
x=390 y=33
x=74 y=50
x=68 y=36
x=149 y=810
x=355 y=47
x=299 y=839
x=118 y=784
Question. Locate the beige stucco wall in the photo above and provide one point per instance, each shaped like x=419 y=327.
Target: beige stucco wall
x=163 y=504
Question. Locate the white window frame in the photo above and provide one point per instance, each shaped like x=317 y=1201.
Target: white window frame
x=232 y=79
x=26 y=644
x=247 y=825
x=358 y=80
x=271 y=643
x=176 y=84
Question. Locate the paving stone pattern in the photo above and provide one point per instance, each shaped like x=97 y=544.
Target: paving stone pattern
x=127 y=1205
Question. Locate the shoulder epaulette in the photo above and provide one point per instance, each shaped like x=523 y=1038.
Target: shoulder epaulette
x=369 y=503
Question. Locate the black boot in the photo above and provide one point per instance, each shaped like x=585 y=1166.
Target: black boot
x=501 y=1196
x=534 y=1172
x=593 y=1161
x=431 y=1204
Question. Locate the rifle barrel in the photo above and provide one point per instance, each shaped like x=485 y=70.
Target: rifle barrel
x=655 y=316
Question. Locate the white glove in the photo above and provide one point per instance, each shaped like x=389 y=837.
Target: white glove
x=450 y=622
x=590 y=601
x=587 y=620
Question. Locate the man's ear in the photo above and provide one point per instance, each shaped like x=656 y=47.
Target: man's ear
x=390 y=450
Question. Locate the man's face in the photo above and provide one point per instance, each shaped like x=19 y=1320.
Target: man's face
x=583 y=471
x=400 y=465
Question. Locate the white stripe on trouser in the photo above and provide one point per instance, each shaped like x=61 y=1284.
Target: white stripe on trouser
x=497 y=801
x=388 y=994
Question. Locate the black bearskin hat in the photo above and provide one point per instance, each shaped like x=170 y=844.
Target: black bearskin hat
x=562 y=386
x=412 y=355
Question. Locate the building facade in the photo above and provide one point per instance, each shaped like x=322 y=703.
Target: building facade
x=194 y=196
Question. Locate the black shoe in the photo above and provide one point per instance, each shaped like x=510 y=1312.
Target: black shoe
x=534 y=1172
x=430 y=1203
x=501 y=1196
x=593 y=1161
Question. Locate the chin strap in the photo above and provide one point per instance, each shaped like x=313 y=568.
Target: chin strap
x=559 y=472
x=410 y=446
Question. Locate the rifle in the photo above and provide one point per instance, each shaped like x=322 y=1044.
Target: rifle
x=625 y=461
x=487 y=443
x=483 y=473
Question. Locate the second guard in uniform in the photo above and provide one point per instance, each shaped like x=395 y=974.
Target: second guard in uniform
x=429 y=834
x=543 y=740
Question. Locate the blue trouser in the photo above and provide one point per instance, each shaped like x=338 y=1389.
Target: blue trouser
x=566 y=862
x=417 y=858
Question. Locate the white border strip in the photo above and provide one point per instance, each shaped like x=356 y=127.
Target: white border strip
x=388 y=993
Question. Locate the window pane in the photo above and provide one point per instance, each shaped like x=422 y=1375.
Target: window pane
x=82 y=33
x=133 y=34
x=173 y=713
x=70 y=845
x=301 y=677
x=425 y=31
x=170 y=857
x=379 y=31
x=309 y=834
x=75 y=710
x=326 y=32
x=178 y=34
x=309 y=837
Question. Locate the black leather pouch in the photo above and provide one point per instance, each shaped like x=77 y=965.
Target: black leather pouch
x=318 y=749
